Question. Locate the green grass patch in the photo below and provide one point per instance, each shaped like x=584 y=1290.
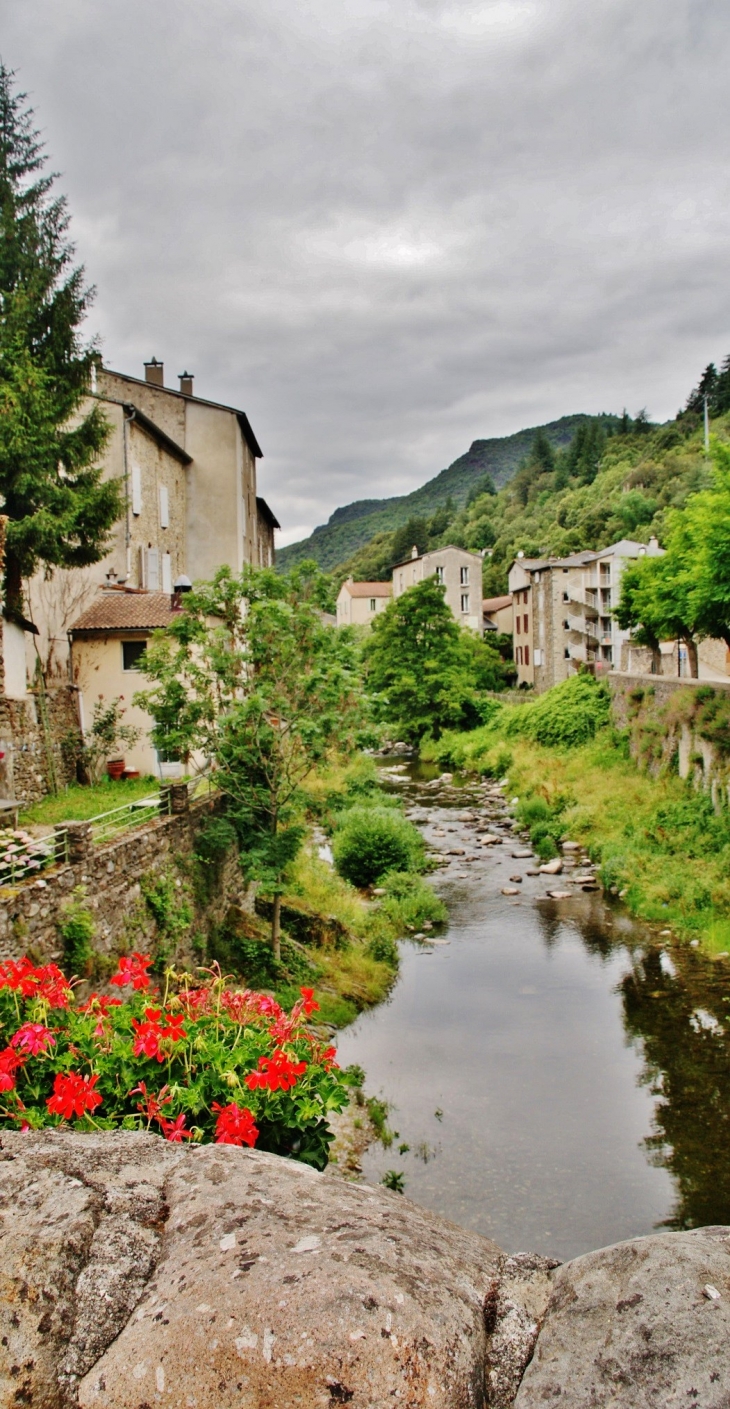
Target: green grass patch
x=77 y=804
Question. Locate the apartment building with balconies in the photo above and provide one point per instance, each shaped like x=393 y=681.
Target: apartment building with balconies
x=563 y=612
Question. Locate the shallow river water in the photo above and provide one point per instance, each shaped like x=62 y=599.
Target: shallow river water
x=560 y=1074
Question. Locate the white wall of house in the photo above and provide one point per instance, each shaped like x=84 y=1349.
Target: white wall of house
x=461 y=573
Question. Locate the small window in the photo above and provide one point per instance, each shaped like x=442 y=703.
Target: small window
x=566 y=625
x=566 y=596
x=465 y=601
x=527 y=655
x=465 y=577
x=566 y=653
x=372 y=604
x=518 y=624
x=439 y=575
x=526 y=621
x=133 y=653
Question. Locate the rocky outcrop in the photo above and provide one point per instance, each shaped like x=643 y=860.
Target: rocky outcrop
x=644 y=1324
x=137 y=1273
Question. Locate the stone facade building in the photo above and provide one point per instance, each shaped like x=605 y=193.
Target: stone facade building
x=563 y=612
x=459 y=570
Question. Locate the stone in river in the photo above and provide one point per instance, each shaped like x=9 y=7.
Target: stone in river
x=489 y=840
x=591 y=885
x=516 y=878
x=551 y=868
x=560 y=894
x=522 y=856
x=456 y=851
x=532 y=871
x=570 y=845
x=510 y=890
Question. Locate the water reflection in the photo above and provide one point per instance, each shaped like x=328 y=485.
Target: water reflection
x=582 y=1067
x=679 y=1011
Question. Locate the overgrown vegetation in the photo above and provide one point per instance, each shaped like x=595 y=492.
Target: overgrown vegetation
x=658 y=840
x=370 y=841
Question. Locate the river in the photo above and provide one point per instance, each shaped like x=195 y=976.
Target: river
x=560 y=1074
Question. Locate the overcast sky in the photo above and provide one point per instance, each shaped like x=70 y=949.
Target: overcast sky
x=386 y=228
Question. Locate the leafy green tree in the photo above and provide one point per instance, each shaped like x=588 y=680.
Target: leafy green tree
x=425 y=674
x=542 y=453
x=59 y=509
x=251 y=676
x=655 y=605
x=413 y=534
x=698 y=541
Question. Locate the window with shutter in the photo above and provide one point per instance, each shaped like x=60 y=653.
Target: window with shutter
x=166 y=572
x=164 y=507
x=153 y=570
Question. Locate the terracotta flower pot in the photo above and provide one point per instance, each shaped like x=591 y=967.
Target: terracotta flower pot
x=115 y=768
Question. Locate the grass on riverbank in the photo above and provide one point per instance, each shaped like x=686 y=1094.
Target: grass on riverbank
x=657 y=840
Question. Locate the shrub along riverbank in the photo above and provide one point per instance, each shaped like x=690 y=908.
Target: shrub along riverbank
x=337 y=938
x=659 y=843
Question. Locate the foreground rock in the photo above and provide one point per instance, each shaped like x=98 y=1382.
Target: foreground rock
x=136 y=1272
x=633 y=1325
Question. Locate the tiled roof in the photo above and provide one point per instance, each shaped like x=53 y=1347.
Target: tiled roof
x=495 y=604
x=125 y=611
x=369 y=589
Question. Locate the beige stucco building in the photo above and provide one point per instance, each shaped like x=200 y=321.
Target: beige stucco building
x=459 y=570
x=187 y=467
x=359 y=602
x=498 y=613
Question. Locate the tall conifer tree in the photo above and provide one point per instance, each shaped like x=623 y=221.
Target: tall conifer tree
x=59 y=509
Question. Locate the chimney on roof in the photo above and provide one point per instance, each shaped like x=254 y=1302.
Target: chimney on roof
x=186 y=383
x=414 y=551
x=154 y=372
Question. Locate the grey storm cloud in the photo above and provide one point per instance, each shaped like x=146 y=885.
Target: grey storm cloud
x=388 y=227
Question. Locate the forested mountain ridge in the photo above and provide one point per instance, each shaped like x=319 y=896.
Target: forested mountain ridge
x=356 y=524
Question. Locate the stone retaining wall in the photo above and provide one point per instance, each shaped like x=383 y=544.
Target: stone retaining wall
x=677 y=722
x=111 y=877
x=34 y=737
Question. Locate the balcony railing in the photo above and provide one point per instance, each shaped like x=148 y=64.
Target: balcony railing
x=582 y=626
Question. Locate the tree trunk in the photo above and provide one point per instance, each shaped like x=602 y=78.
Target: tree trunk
x=276 y=928
x=694 y=665
x=656 y=661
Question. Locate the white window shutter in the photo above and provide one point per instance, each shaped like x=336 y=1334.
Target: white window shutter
x=153 y=570
x=143 y=567
x=166 y=572
x=136 y=489
x=164 y=507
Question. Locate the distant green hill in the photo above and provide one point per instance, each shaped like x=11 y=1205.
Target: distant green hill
x=356 y=524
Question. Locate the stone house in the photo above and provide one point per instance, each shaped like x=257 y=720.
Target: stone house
x=359 y=602
x=563 y=612
x=459 y=570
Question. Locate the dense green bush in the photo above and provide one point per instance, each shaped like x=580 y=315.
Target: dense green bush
x=410 y=903
x=370 y=841
x=569 y=714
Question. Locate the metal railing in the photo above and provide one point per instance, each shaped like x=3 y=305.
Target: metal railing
x=108 y=825
x=23 y=857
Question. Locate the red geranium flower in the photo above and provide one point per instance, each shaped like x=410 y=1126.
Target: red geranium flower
x=309 y=1004
x=235 y=1125
x=33 y=1038
x=20 y=976
x=9 y=1063
x=174 y=1031
x=73 y=1095
x=277 y=1073
x=53 y=986
x=151 y=1106
x=174 y=1130
x=133 y=969
x=149 y=1034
